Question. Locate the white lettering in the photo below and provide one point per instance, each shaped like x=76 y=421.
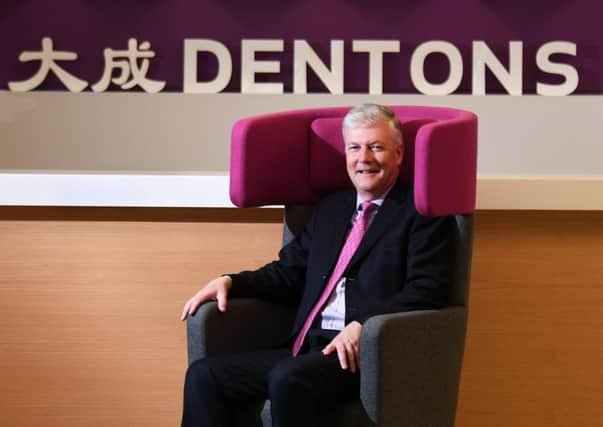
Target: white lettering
x=511 y=79
x=304 y=55
x=565 y=70
x=132 y=64
x=48 y=58
x=417 y=62
x=376 y=49
x=250 y=66
x=191 y=49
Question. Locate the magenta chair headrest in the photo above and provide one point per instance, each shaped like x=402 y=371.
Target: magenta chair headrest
x=296 y=157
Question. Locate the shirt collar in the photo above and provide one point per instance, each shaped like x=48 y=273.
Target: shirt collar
x=378 y=202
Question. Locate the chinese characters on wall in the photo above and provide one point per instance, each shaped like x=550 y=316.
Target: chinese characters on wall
x=131 y=64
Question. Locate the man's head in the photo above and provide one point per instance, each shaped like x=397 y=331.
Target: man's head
x=373 y=149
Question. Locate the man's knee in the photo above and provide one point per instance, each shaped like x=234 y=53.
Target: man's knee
x=200 y=375
x=202 y=404
x=286 y=379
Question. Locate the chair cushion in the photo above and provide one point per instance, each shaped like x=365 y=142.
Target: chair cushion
x=327 y=156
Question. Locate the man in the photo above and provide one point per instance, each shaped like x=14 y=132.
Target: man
x=364 y=252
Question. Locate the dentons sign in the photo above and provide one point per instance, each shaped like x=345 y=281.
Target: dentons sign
x=129 y=68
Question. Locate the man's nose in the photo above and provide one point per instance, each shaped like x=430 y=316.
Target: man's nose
x=365 y=154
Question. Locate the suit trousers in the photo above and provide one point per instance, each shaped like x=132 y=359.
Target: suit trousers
x=300 y=388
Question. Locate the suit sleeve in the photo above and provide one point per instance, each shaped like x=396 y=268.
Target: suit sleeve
x=281 y=280
x=430 y=263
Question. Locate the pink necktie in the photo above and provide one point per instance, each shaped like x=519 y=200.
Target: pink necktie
x=350 y=246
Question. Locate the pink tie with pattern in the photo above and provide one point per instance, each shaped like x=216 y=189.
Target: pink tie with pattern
x=348 y=250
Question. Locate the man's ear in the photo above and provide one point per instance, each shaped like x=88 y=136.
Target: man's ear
x=401 y=157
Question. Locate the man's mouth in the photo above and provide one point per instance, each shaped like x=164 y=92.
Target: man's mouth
x=366 y=172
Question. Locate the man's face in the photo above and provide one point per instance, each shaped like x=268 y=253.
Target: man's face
x=373 y=159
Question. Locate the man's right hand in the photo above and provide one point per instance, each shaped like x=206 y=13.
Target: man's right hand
x=217 y=289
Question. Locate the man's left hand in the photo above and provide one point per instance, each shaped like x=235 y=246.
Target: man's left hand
x=347 y=346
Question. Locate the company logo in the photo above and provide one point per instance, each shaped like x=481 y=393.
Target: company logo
x=128 y=68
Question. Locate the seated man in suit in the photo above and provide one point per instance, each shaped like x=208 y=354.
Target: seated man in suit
x=364 y=252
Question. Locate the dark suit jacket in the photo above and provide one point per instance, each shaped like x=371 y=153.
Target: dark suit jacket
x=403 y=263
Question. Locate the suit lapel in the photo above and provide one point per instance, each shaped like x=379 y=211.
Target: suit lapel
x=386 y=215
x=340 y=224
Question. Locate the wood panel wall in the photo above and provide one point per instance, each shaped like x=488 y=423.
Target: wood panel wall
x=90 y=301
x=534 y=349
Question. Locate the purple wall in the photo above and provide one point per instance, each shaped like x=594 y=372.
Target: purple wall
x=88 y=26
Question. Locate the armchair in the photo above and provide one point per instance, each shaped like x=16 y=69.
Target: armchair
x=305 y=152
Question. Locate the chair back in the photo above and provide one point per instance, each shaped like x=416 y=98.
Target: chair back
x=294 y=158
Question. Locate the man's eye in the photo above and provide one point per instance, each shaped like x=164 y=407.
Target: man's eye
x=376 y=147
x=352 y=148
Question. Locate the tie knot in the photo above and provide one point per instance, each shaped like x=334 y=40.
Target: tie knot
x=366 y=208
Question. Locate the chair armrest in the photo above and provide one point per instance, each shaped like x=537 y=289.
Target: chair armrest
x=410 y=367
x=247 y=324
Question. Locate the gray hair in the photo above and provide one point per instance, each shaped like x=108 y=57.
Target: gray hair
x=368 y=115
